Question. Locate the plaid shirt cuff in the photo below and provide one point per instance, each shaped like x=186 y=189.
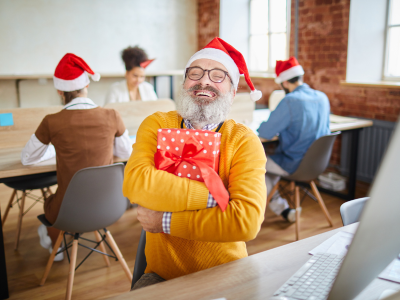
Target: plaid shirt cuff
x=211 y=201
x=166 y=222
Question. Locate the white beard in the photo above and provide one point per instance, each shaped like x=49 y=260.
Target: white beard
x=200 y=114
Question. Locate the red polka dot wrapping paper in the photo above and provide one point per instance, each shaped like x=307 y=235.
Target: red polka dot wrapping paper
x=173 y=140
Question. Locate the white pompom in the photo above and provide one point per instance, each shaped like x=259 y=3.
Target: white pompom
x=255 y=95
x=96 y=77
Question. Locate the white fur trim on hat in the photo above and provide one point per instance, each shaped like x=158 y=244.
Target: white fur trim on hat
x=95 y=77
x=71 y=85
x=289 y=74
x=221 y=57
x=255 y=95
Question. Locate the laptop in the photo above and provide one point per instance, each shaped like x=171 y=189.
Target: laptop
x=376 y=242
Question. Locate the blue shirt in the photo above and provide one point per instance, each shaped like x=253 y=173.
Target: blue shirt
x=299 y=119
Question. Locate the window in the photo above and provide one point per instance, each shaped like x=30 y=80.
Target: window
x=269 y=36
x=392 y=57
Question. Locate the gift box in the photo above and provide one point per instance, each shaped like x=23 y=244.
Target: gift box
x=193 y=154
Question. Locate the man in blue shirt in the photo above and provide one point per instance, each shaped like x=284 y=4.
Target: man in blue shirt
x=300 y=118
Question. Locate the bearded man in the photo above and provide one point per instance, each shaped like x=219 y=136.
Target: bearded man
x=185 y=229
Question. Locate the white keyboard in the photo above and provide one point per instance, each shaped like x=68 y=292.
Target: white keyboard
x=314 y=279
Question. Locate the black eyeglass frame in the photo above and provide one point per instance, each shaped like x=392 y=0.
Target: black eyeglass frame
x=204 y=72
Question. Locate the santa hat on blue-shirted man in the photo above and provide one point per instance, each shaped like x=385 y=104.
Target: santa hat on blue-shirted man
x=287 y=69
x=71 y=74
x=232 y=59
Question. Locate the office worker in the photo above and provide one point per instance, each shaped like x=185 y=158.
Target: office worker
x=186 y=231
x=83 y=134
x=300 y=118
x=133 y=87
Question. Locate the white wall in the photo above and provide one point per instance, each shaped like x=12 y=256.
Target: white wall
x=365 y=51
x=234 y=24
x=35 y=34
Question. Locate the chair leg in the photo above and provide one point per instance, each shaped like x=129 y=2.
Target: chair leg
x=44 y=194
x=293 y=192
x=49 y=191
x=72 y=266
x=20 y=216
x=297 y=207
x=102 y=248
x=321 y=203
x=119 y=256
x=9 y=205
x=271 y=194
x=52 y=255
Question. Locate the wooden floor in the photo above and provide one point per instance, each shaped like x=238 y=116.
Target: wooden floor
x=93 y=280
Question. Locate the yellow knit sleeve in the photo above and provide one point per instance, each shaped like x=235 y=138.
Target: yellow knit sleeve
x=242 y=220
x=155 y=189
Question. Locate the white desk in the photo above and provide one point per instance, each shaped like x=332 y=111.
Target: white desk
x=254 y=277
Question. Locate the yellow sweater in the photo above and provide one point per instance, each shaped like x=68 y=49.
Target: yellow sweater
x=200 y=237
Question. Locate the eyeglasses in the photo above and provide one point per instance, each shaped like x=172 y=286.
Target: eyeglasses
x=215 y=75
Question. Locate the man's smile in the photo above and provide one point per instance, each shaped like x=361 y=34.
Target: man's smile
x=204 y=94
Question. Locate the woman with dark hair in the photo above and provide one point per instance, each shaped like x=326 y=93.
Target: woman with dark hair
x=134 y=87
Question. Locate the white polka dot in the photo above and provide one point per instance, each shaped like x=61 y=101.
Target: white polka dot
x=163 y=138
x=187 y=132
x=218 y=151
x=198 y=176
x=178 y=132
x=173 y=140
x=194 y=167
x=216 y=134
x=206 y=134
x=179 y=174
x=188 y=175
x=201 y=142
x=197 y=133
x=167 y=147
x=210 y=143
x=214 y=152
x=184 y=166
x=182 y=140
x=169 y=131
x=176 y=148
x=159 y=130
x=205 y=151
x=158 y=147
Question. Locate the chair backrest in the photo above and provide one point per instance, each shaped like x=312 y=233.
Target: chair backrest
x=351 y=210
x=275 y=98
x=134 y=112
x=242 y=109
x=315 y=160
x=93 y=199
x=140 y=262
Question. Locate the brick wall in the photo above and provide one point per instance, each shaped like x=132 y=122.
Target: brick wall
x=322 y=51
x=208 y=18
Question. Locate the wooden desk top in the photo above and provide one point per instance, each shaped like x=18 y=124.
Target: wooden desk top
x=338 y=123
x=254 y=277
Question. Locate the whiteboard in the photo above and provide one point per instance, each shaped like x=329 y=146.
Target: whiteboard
x=35 y=34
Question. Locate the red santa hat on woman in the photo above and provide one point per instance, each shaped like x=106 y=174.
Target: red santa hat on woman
x=287 y=69
x=71 y=74
x=233 y=60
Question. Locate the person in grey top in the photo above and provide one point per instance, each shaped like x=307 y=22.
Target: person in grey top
x=300 y=118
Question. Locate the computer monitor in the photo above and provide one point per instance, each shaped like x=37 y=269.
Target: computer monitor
x=377 y=240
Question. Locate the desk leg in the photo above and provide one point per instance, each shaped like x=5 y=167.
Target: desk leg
x=3 y=270
x=155 y=83
x=171 y=89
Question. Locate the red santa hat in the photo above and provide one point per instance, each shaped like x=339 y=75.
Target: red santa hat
x=232 y=59
x=71 y=74
x=287 y=69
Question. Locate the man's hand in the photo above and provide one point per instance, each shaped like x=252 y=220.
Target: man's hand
x=151 y=220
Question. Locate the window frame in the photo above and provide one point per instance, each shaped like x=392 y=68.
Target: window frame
x=288 y=27
x=385 y=77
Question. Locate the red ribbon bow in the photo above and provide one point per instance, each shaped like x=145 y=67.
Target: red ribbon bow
x=169 y=162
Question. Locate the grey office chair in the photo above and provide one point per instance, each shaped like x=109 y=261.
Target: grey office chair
x=140 y=262
x=93 y=201
x=26 y=184
x=313 y=164
x=350 y=211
